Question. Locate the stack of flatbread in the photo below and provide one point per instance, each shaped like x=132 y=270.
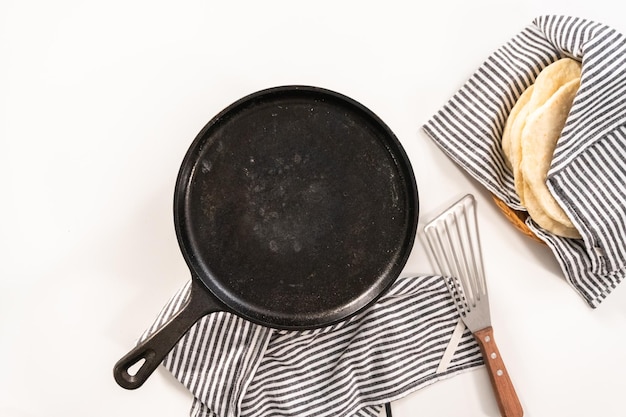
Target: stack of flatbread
x=529 y=139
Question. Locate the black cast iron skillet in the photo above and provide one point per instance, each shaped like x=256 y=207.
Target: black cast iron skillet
x=294 y=208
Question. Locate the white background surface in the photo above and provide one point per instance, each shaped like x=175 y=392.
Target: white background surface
x=99 y=102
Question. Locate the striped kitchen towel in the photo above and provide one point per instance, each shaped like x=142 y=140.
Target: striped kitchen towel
x=236 y=368
x=588 y=172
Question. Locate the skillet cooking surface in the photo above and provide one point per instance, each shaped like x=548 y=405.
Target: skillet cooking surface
x=296 y=206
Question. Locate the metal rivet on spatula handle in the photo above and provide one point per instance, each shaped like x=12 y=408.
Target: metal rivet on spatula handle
x=454 y=244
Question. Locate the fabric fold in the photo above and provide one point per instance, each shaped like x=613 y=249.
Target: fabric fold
x=235 y=368
x=588 y=172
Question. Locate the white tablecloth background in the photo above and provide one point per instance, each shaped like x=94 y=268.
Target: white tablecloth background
x=100 y=101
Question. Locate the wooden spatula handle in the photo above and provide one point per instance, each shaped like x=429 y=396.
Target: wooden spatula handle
x=506 y=396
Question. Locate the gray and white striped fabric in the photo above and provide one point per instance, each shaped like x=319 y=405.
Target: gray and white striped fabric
x=236 y=368
x=588 y=172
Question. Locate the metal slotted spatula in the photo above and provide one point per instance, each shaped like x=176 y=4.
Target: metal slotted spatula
x=455 y=248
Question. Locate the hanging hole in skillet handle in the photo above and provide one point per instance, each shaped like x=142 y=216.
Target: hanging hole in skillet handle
x=134 y=368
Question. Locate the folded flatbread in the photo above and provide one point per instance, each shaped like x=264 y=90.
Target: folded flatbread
x=530 y=136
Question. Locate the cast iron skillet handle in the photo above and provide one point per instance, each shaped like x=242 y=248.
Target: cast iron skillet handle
x=155 y=348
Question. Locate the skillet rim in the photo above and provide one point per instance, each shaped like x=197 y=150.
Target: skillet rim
x=212 y=284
